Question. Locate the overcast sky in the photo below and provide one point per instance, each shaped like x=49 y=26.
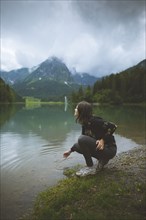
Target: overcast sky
x=99 y=37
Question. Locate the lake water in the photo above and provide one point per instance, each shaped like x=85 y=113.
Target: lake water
x=33 y=141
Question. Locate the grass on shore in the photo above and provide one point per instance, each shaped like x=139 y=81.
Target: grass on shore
x=111 y=194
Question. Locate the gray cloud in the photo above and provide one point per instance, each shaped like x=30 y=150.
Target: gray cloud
x=98 y=37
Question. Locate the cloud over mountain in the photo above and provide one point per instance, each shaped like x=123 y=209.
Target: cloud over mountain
x=99 y=37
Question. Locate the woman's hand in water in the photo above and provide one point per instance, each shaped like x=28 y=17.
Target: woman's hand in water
x=66 y=153
x=100 y=144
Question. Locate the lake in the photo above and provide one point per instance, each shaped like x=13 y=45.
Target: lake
x=33 y=141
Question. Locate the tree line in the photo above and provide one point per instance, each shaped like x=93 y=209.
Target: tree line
x=7 y=94
x=125 y=87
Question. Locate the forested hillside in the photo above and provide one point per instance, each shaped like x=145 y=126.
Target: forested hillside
x=7 y=94
x=127 y=86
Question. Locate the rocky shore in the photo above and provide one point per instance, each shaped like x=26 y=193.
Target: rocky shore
x=132 y=162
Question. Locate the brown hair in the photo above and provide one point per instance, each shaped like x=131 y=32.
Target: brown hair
x=85 y=112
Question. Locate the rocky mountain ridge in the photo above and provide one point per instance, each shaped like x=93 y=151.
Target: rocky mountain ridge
x=51 y=69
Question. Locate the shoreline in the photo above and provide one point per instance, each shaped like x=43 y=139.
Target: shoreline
x=133 y=161
x=128 y=167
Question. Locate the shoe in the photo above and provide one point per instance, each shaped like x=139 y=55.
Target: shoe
x=101 y=164
x=86 y=171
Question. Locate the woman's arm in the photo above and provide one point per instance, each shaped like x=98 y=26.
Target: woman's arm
x=67 y=153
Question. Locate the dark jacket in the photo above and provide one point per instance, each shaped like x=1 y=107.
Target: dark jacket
x=98 y=129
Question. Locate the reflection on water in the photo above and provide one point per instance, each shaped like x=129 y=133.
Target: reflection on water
x=130 y=121
x=33 y=142
x=49 y=123
x=7 y=111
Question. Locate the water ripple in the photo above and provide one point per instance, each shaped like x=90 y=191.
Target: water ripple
x=51 y=147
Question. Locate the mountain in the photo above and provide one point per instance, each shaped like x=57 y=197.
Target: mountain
x=85 y=79
x=50 y=69
x=49 y=80
x=14 y=76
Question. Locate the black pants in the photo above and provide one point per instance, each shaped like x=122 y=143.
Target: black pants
x=87 y=147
